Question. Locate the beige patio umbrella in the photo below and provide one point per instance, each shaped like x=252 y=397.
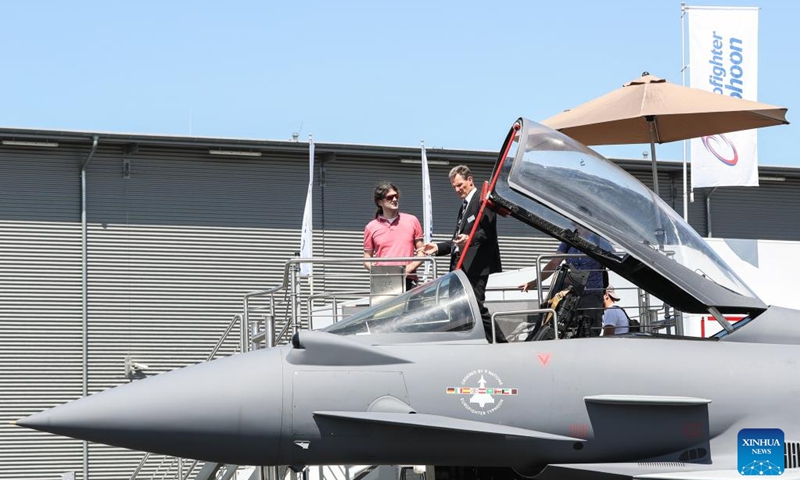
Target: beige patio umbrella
x=652 y=110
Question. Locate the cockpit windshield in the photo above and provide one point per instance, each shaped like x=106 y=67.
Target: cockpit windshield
x=445 y=305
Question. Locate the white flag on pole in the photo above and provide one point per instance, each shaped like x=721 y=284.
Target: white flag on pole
x=427 y=206
x=307 y=235
x=723 y=58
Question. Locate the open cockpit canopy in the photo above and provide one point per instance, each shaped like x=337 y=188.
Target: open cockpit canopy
x=561 y=187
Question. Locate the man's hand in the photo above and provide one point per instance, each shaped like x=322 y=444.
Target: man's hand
x=429 y=248
x=461 y=240
x=528 y=286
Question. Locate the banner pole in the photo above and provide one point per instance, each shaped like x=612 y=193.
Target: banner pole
x=683 y=83
x=427 y=205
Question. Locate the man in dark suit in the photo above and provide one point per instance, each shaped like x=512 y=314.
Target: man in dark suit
x=483 y=254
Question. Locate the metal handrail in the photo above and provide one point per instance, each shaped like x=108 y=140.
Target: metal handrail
x=169 y=466
x=140 y=466
x=277 y=338
x=158 y=468
x=550 y=256
x=189 y=470
x=290 y=269
x=245 y=331
x=334 y=296
x=236 y=318
x=352 y=295
x=338 y=261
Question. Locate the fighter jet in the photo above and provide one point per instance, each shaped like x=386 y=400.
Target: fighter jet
x=414 y=380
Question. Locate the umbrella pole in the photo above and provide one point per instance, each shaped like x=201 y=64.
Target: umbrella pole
x=651 y=122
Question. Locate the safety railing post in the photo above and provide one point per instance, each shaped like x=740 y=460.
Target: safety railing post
x=295 y=296
x=270 y=328
x=245 y=329
x=644 y=310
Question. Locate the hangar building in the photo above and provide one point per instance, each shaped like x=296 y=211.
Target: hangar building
x=121 y=246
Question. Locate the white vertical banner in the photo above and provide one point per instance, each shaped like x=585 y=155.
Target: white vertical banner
x=307 y=235
x=723 y=58
x=427 y=205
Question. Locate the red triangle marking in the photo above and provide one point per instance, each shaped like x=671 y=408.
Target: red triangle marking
x=544 y=358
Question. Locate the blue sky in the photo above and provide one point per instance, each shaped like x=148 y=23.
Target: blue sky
x=454 y=73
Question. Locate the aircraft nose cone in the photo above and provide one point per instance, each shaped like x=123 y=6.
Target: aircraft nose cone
x=227 y=411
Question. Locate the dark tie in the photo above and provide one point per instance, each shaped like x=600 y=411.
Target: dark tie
x=460 y=218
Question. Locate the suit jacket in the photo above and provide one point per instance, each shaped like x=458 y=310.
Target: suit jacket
x=483 y=254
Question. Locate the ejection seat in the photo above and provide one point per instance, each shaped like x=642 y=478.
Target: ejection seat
x=565 y=292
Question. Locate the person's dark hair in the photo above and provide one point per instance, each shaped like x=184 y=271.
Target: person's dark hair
x=380 y=191
x=462 y=170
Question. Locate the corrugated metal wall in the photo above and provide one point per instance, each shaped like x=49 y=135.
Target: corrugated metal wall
x=175 y=246
x=767 y=212
x=40 y=306
x=736 y=212
x=173 y=249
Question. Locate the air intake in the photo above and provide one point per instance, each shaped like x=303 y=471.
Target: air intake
x=791 y=455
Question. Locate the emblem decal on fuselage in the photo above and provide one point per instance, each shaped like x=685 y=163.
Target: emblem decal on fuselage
x=482 y=392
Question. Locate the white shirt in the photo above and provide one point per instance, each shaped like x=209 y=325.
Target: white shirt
x=470 y=194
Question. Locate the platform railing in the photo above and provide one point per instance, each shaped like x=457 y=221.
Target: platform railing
x=167 y=464
x=290 y=289
x=336 y=301
x=263 y=332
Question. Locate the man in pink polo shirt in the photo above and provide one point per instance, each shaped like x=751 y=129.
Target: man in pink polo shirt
x=391 y=233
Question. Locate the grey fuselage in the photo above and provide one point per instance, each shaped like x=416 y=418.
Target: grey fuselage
x=612 y=399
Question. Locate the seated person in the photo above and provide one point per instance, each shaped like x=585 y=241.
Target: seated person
x=615 y=319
